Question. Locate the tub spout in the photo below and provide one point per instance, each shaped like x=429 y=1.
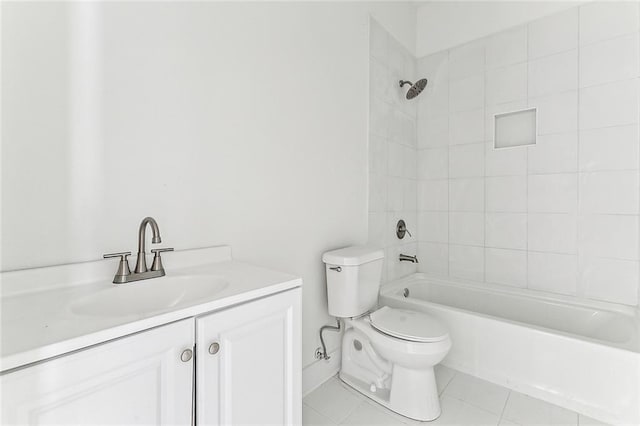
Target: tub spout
x=407 y=258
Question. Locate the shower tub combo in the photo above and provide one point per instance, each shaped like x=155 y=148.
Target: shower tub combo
x=584 y=357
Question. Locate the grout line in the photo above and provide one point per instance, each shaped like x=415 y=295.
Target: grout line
x=526 y=183
x=448 y=161
x=580 y=291
x=484 y=169
x=455 y=373
x=504 y=408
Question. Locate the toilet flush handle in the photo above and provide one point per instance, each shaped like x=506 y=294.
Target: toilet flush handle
x=336 y=268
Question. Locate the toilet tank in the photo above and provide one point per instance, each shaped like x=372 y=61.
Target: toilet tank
x=353 y=280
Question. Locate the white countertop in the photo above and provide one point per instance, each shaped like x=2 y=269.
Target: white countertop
x=37 y=322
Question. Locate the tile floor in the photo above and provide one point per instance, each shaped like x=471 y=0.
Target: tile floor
x=465 y=400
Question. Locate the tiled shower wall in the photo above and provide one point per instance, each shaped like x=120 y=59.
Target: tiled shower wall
x=392 y=151
x=560 y=216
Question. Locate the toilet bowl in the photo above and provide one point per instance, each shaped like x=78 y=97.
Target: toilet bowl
x=388 y=354
x=404 y=380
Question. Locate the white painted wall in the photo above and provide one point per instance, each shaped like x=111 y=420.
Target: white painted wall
x=445 y=24
x=230 y=123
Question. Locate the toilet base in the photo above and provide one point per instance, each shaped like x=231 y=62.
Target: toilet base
x=413 y=393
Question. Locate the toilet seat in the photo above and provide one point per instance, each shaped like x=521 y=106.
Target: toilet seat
x=408 y=325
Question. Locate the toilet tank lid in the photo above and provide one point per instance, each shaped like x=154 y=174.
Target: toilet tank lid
x=352 y=256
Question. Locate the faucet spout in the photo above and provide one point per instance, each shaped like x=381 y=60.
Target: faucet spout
x=407 y=258
x=141 y=262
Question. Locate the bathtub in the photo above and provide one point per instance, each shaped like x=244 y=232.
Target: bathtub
x=584 y=357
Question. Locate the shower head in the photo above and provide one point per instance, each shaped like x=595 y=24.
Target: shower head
x=415 y=88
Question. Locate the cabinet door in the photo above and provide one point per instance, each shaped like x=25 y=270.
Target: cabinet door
x=255 y=375
x=135 y=380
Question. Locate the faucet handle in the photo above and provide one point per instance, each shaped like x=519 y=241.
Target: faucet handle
x=161 y=250
x=123 y=255
x=123 y=267
x=157 y=260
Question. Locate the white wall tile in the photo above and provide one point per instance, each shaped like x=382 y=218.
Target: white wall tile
x=466 y=160
x=410 y=162
x=378 y=41
x=379 y=80
x=402 y=129
x=466 y=195
x=612 y=104
x=506 y=230
x=466 y=127
x=615 y=192
x=553 y=232
x=510 y=215
x=466 y=94
x=395 y=159
x=434 y=258
x=556 y=273
x=377 y=154
x=466 y=262
x=377 y=192
x=396 y=55
x=612 y=236
x=410 y=196
x=505 y=162
x=554 y=74
x=557 y=193
x=433 y=131
x=434 y=100
x=603 y=20
x=377 y=223
x=506 y=84
x=466 y=228
x=507 y=267
x=433 y=195
x=506 y=48
x=435 y=67
x=611 y=280
x=553 y=34
x=395 y=193
x=380 y=117
x=433 y=163
x=610 y=60
x=556 y=113
x=466 y=60
x=609 y=148
x=554 y=153
x=506 y=194
x=433 y=227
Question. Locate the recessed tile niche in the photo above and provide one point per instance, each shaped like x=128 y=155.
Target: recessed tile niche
x=516 y=128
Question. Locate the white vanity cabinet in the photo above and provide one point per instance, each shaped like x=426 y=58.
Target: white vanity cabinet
x=139 y=379
x=245 y=360
x=248 y=368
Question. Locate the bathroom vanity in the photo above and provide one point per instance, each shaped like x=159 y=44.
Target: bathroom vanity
x=214 y=342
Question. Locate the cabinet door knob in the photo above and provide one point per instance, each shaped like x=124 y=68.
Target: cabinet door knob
x=186 y=355
x=214 y=348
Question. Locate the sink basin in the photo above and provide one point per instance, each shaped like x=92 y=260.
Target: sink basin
x=149 y=296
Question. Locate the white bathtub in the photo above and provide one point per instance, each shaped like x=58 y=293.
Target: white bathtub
x=582 y=357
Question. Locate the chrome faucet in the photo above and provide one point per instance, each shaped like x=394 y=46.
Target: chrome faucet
x=141 y=262
x=407 y=258
x=123 y=274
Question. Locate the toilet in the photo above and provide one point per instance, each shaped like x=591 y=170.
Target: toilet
x=388 y=354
